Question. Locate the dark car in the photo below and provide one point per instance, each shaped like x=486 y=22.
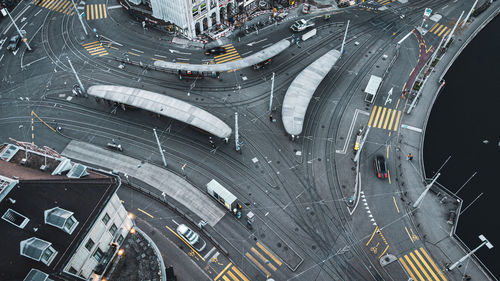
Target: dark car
x=215 y=51
x=380 y=167
x=261 y=64
x=14 y=41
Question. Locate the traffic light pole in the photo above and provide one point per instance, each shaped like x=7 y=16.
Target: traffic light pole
x=79 y=17
x=236 y=133
x=77 y=78
x=272 y=92
x=25 y=40
x=421 y=197
x=161 y=150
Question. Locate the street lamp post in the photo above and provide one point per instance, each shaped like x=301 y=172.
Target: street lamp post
x=272 y=92
x=345 y=35
x=356 y=158
x=25 y=40
x=77 y=78
x=161 y=150
x=468 y=14
x=79 y=17
x=421 y=197
x=485 y=242
x=236 y=132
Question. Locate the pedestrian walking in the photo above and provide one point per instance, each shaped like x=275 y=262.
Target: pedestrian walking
x=409 y=157
x=271 y=117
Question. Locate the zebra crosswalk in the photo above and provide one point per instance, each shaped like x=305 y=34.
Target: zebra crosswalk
x=260 y=255
x=419 y=264
x=440 y=30
x=60 y=6
x=95 y=49
x=230 y=55
x=385 y=2
x=96 y=11
x=384 y=118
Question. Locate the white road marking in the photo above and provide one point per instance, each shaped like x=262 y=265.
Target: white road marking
x=351 y=128
x=265 y=46
x=139 y=51
x=38 y=13
x=114 y=7
x=175 y=222
x=1 y=58
x=256 y=42
x=411 y=128
x=246 y=53
x=181 y=59
x=205 y=257
x=444 y=7
x=160 y=56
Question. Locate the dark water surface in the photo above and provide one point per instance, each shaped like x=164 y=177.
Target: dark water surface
x=466 y=113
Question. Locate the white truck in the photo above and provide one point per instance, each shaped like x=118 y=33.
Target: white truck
x=372 y=88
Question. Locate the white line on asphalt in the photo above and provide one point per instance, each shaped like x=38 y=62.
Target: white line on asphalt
x=160 y=56
x=35 y=61
x=181 y=59
x=404 y=38
x=114 y=7
x=444 y=7
x=1 y=57
x=246 y=53
x=351 y=128
x=23 y=25
x=38 y=13
x=15 y=19
x=411 y=128
x=175 y=222
x=138 y=51
x=2 y=42
x=209 y=253
x=265 y=46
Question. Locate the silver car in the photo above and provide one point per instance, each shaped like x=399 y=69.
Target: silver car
x=301 y=25
x=191 y=237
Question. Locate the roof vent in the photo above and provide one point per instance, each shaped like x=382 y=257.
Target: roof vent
x=38 y=249
x=77 y=171
x=60 y=218
x=36 y=275
x=64 y=165
x=15 y=218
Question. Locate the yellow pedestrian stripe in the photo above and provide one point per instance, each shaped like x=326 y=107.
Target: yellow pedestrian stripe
x=384 y=118
x=231 y=273
x=420 y=266
x=60 y=6
x=385 y=2
x=440 y=29
x=238 y=272
x=267 y=259
x=96 y=11
x=95 y=49
x=441 y=33
x=230 y=55
x=432 y=29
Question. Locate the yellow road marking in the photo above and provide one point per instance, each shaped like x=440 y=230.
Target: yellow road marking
x=372 y=115
x=233 y=51
x=45 y=4
x=232 y=276
x=420 y=266
x=409 y=234
x=52 y=4
x=45 y=123
x=185 y=242
x=426 y=265
x=387 y=151
x=58 y=6
x=376 y=116
x=440 y=33
x=392 y=119
x=389 y=176
x=230 y=59
x=275 y=259
x=432 y=263
x=262 y=258
x=237 y=271
x=146 y=213
x=228 y=56
x=387 y=118
x=387 y=247
x=103 y=52
x=373 y=234
x=395 y=204
x=397 y=121
x=437 y=30
x=88 y=16
x=224 y=270
x=227 y=45
x=414 y=268
x=96 y=12
x=407 y=269
x=105 y=13
x=157 y=59
x=225 y=278
x=432 y=29
x=66 y=4
x=446 y=34
x=382 y=118
x=262 y=268
x=100 y=11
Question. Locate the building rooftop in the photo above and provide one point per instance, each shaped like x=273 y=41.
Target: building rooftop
x=46 y=216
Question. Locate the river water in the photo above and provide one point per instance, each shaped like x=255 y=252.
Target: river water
x=465 y=123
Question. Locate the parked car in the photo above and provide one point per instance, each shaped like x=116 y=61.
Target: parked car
x=380 y=167
x=301 y=25
x=115 y=146
x=215 y=51
x=14 y=42
x=191 y=237
x=261 y=64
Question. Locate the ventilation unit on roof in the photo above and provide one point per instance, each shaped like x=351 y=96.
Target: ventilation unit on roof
x=15 y=218
x=60 y=218
x=77 y=171
x=37 y=275
x=38 y=249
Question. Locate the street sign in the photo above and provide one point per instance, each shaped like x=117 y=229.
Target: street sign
x=4 y=12
x=428 y=12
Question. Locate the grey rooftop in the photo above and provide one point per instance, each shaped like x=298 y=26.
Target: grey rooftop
x=301 y=90
x=163 y=105
x=260 y=56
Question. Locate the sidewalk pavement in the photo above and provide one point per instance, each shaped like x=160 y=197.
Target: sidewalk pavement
x=161 y=179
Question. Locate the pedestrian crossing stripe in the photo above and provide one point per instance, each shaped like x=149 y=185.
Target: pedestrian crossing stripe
x=261 y=256
x=384 y=118
x=230 y=55
x=440 y=29
x=60 y=6
x=95 y=49
x=233 y=272
x=96 y=11
x=419 y=264
x=385 y=2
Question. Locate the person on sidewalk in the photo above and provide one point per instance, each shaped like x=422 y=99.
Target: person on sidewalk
x=409 y=157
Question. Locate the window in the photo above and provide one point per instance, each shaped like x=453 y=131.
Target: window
x=113 y=229
x=89 y=244
x=105 y=219
x=120 y=239
x=72 y=270
x=69 y=224
x=98 y=254
x=47 y=254
x=15 y=218
x=195 y=11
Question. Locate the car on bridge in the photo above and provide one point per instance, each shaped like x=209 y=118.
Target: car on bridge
x=14 y=42
x=215 y=51
x=380 y=167
x=301 y=25
x=191 y=237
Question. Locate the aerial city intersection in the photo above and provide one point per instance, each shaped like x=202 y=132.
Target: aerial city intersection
x=229 y=140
